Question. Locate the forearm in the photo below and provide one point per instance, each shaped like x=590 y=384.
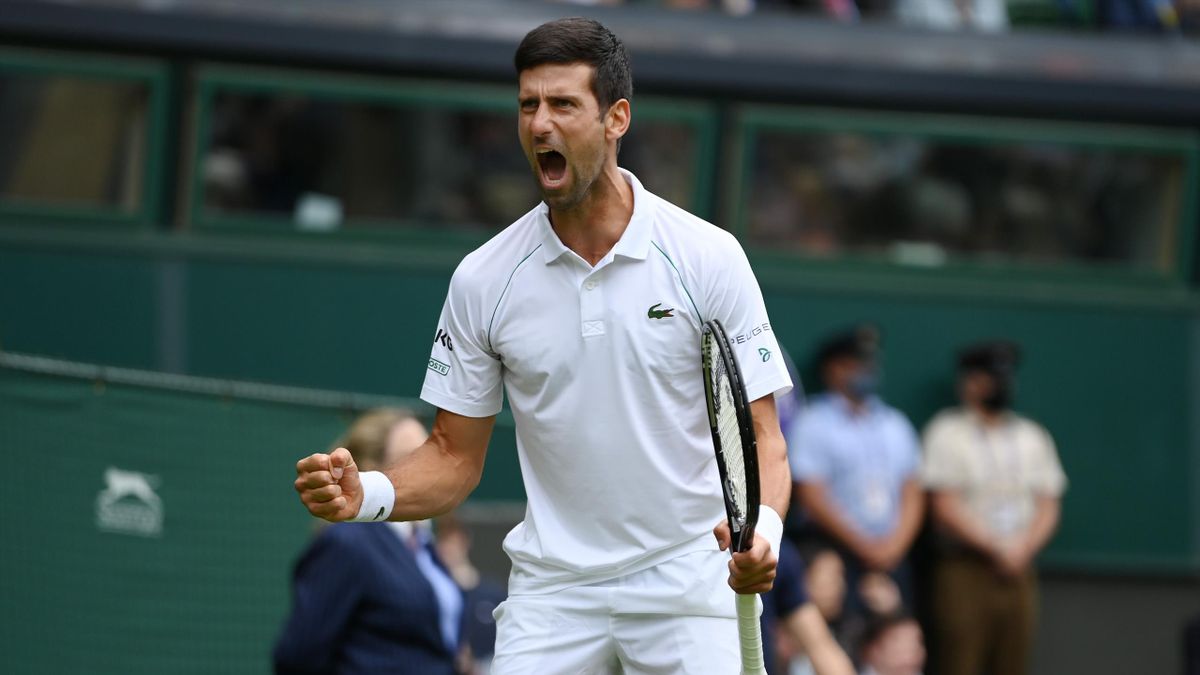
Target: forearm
x=439 y=475
x=912 y=512
x=809 y=629
x=775 y=476
x=817 y=506
x=952 y=515
x=430 y=482
x=1045 y=522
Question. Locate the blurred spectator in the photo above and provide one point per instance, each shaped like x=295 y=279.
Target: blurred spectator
x=855 y=460
x=788 y=609
x=373 y=597
x=825 y=585
x=1189 y=15
x=996 y=482
x=893 y=645
x=1137 y=15
x=989 y=16
x=482 y=596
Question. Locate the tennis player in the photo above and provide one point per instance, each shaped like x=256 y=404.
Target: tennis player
x=588 y=311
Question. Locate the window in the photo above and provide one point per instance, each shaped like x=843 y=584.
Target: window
x=924 y=191
x=77 y=138
x=323 y=154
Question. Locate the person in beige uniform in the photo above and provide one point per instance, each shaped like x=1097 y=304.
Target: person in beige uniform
x=996 y=483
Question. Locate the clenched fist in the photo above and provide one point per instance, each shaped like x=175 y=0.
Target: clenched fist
x=329 y=485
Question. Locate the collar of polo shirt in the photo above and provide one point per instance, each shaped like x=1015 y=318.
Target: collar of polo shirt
x=634 y=242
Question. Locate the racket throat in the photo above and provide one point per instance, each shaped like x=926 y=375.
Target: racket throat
x=742 y=537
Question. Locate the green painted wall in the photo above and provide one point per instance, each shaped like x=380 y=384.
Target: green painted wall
x=1113 y=381
x=207 y=592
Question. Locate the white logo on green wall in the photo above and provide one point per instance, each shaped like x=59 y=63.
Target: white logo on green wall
x=128 y=504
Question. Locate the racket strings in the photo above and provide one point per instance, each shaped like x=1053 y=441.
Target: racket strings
x=729 y=429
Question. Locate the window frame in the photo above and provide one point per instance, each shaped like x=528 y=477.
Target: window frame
x=154 y=75
x=749 y=120
x=210 y=79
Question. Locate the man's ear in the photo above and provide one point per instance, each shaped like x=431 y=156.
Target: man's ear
x=616 y=120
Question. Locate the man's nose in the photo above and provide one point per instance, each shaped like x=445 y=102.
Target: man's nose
x=540 y=124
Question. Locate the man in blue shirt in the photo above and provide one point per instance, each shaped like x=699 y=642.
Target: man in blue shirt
x=854 y=460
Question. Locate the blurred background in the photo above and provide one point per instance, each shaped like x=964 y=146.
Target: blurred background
x=228 y=227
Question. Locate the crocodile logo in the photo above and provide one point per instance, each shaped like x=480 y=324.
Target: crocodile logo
x=655 y=313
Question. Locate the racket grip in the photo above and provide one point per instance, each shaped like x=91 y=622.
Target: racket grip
x=750 y=635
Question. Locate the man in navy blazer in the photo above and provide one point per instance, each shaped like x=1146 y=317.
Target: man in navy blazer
x=373 y=597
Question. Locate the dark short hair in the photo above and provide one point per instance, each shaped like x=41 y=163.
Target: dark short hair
x=878 y=626
x=580 y=40
x=997 y=357
x=860 y=342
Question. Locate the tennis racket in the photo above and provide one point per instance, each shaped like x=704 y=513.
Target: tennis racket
x=737 y=460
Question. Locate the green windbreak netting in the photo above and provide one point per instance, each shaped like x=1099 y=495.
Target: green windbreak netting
x=148 y=527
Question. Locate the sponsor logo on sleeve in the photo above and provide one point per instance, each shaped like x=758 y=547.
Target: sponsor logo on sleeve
x=439 y=367
x=444 y=338
x=751 y=334
x=764 y=353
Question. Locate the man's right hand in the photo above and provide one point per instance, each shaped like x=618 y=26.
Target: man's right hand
x=329 y=486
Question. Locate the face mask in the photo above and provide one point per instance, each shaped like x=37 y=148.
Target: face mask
x=1001 y=397
x=863 y=384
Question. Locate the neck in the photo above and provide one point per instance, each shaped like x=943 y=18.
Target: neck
x=990 y=418
x=592 y=227
x=857 y=403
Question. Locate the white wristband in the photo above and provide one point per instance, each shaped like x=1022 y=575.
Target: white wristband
x=378 y=497
x=770 y=527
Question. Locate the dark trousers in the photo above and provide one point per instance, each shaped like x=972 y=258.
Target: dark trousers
x=985 y=622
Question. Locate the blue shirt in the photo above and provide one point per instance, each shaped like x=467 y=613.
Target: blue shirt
x=863 y=459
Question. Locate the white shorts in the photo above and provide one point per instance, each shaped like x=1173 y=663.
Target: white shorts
x=677 y=617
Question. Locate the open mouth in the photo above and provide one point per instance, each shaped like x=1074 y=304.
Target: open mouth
x=553 y=166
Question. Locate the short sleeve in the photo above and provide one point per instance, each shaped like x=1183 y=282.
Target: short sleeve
x=463 y=375
x=942 y=465
x=734 y=298
x=807 y=453
x=1049 y=479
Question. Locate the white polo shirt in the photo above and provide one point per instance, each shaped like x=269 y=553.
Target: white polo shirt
x=602 y=369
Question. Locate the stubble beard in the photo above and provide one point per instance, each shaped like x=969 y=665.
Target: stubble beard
x=581 y=187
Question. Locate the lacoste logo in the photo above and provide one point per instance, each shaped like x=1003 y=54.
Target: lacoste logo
x=659 y=313
x=439 y=367
x=764 y=353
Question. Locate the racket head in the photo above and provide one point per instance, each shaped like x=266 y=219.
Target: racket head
x=732 y=430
